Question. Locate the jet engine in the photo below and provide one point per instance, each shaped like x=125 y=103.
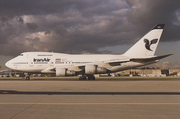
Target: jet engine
x=94 y=69
x=90 y=69
x=101 y=70
x=64 y=72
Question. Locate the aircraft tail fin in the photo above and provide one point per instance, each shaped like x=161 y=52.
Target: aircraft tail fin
x=147 y=45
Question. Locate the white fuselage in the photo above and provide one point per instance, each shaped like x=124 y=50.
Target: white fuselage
x=39 y=61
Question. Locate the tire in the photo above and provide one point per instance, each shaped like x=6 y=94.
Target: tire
x=84 y=77
x=91 y=77
x=27 y=77
x=80 y=78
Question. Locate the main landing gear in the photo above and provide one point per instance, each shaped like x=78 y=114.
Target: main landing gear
x=84 y=77
x=27 y=76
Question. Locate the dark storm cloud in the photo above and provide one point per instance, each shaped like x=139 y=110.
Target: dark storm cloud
x=13 y=8
x=78 y=26
x=146 y=13
x=20 y=20
x=71 y=26
x=32 y=26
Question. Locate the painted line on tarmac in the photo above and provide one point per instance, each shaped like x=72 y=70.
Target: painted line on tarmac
x=5 y=103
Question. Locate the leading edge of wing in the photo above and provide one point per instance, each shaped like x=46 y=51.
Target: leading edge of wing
x=140 y=60
x=149 y=59
x=117 y=62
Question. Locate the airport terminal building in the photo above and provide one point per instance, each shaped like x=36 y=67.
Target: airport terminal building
x=149 y=72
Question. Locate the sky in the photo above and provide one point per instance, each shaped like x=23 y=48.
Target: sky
x=87 y=26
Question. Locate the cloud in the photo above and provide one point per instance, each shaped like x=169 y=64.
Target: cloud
x=81 y=26
x=20 y=19
x=167 y=65
x=32 y=26
x=145 y=13
x=62 y=26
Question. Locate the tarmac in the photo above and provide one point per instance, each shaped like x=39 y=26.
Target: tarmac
x=104 y=98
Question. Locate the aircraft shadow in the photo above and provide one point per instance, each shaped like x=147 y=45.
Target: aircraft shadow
x=5 y=92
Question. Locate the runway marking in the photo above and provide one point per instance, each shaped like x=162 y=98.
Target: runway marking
x=5 y=103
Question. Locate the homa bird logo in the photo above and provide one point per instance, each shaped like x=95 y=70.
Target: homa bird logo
x=148 y=44
x=41 y=60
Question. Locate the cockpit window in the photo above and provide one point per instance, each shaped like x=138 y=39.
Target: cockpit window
x=21 y=54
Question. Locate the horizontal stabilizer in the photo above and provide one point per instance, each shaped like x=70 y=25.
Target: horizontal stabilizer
x=149 y=59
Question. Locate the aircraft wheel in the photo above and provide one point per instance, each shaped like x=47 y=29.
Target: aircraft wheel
x=91 y=77
x=27 y=77
x=82 y=78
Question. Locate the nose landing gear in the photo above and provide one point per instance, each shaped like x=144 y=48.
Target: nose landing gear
x=27 y=76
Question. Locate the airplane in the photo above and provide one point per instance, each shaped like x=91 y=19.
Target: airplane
x=140 y=54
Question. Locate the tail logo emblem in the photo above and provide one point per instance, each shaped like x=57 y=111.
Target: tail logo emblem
x=148 y=44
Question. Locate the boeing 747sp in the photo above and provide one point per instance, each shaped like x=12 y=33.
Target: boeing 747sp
x=140 y=54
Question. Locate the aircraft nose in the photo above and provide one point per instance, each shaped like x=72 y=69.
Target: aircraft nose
x=8 y=64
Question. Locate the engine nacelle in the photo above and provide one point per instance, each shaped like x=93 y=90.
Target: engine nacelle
x=101 y=70
x=64 y=72
x=93 y=69
x=70 y=73
x=90 y=69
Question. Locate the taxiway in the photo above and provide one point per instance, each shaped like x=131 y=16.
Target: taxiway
x=100 y=99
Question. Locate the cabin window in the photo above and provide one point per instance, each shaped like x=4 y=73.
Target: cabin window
x=45 y=55
x=20 y=63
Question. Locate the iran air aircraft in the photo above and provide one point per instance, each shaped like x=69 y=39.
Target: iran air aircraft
x=140 y=54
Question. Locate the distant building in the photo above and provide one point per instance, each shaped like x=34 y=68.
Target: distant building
x=165 y=72
x=173 y=72
x=140 y=72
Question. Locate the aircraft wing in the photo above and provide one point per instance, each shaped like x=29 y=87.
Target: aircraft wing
x=80 y=67
x=149 y=59
x=69 y=67
x=117 y=62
